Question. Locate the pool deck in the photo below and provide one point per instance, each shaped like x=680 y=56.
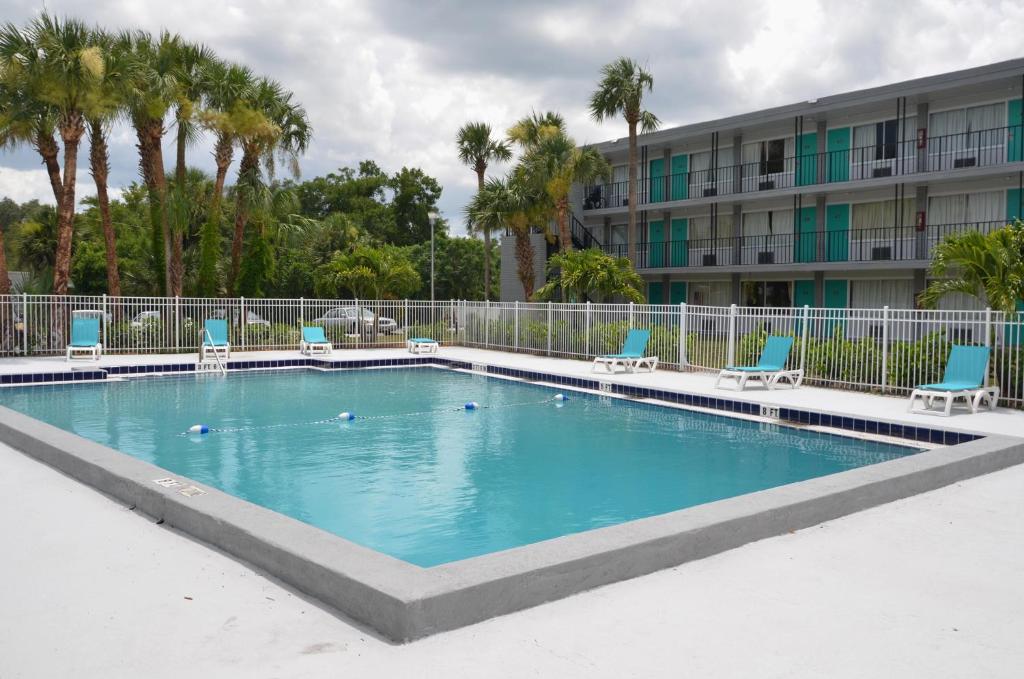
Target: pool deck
x=925 y=586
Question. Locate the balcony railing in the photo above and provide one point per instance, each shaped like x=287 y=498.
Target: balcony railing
x=981 y=148
x=884 y=244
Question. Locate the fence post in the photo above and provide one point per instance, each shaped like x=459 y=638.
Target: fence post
x=106 y=344
x=24 y=322
x=302 y=313
x=731 y=349
x=241 y=318
x=682 y=336
x=630 y=315
x=586 y=331
x=804 y=331
x=885 y=347
x=359 y=321
x=515 y=328
x=453 y=321
x=988 y=326
x=487 y=323
x=549 y=327
x=177 y=322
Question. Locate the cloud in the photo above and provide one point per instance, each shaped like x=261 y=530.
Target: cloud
x=392 y=80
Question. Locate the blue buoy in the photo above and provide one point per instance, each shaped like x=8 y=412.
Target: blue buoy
x=199 y=429
x=472 y=405
x=561 y=397
x=346 y=416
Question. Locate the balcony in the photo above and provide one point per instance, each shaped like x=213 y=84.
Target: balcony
x=884 y=244
x=983 y=148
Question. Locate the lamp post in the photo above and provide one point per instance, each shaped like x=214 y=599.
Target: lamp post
x=433 y=216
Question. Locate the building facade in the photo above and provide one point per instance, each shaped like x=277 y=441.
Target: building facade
x=836 y=202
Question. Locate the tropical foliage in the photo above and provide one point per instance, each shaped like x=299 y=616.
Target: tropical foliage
x=591 y=276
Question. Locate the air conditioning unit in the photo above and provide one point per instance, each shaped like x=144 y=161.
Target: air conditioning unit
x=882 y=171
x=766 y=257
x=965 y=162
x=766 y=186
x=883 y=253
x=713 y=191
x=709 y=260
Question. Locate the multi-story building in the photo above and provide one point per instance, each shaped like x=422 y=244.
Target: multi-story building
x=834 y=202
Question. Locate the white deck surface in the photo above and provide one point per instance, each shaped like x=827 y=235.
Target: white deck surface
x=929 y=586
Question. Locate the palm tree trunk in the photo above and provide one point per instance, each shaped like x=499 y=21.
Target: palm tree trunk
x=631 y=234
x=5 y=276
x=249 y=165
x=480 y=170
x=46 y=145
x=209 y=242
x=562 y=217
x=71 y=133
x=99 y=162
x=157 y=206
x=524 y=262
x=177 y=229
x=6 y=317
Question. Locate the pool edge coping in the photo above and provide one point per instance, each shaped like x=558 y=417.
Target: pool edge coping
x=405 y=602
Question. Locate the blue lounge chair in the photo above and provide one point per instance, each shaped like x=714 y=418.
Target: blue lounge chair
x=85 y=339
x=964 y=378
x=770 y=368
x=314 y=341
x=632 y=357
x=215 y=338
x=421 y=345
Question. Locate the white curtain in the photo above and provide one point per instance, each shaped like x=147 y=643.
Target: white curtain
x=756 y=223
x=965 y=208
x=717 y=293
x=864 y=136
x=895 y=294
x=699 y=228
x=725 y=225
x=958 y=301
x=700 y=161
x=947 y=209
x=986 y=117
x=867 y=216
x=987 y=206
x=947 y=122
x=619 y=234
x=751 y=155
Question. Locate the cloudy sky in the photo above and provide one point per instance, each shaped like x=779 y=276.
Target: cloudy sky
x=392 y=80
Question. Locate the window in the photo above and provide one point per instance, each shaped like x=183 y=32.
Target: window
x=773 y=156
x=767 y=293
x=875 y=294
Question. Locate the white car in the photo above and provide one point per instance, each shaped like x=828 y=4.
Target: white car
x=144 y=318
x=251 y=318
x=345 y=317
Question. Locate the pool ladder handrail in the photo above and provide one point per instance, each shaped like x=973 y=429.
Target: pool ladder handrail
x=202 y=335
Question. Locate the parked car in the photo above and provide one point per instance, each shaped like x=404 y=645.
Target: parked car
x=251 y=318
x=345 y=317
x=145 y=317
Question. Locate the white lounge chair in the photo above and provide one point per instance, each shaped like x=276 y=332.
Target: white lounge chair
x=770 y=368
x=314 y=341
x=964 y=378
x=421 y=345
x=85 y=339
x=215 y=338
x=632 y=357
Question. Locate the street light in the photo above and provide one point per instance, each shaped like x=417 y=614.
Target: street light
x=433 y=216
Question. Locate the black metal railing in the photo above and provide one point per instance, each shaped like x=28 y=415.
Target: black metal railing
x=982 y=148
x=582 y=237
x=891 y=244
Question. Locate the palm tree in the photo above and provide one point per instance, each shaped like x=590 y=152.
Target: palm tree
x=55 y=60
x=368 y=273
x=105 y=107
x=510 y=204
x=621 y=92
x=226 y=88
x=556 y=163
x=987 y=266
x=25 y=120
x=477 y=150
x=531 y=130
x=276 y=126
x=592 y=275
x=151 y=91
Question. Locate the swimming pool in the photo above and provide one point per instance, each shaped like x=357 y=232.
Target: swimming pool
x=418 y=477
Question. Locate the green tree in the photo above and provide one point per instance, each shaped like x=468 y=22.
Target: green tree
x=987 y=266
x=621 y=92
x=591 y=275
x=55 y=61
x=478 y=150
x=458 y=268
x=510 y=204
x=368 y=273
x=415 y=196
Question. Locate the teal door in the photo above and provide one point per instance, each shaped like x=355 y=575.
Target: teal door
x=836 y=297
x=679 y=181
x=1014 y=206
x=1015 y=139
x=807 y=166
x=837 y=233
x=655 y=293
x=838 y=148
x=806 y=240
x=656 y=244
x=657 y=180
x=803 y=293
x=677 y=292
x=679 y=248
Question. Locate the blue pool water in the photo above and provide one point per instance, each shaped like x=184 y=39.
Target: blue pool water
x=423 y=479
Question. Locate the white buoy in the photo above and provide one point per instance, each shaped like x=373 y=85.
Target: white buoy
x=346 y=416
x=561 y=397
x=472 y=405
x=199 y=429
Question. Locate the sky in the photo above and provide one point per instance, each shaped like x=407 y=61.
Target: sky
x=393 y=80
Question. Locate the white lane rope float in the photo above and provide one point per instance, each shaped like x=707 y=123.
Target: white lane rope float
x=348 y=417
